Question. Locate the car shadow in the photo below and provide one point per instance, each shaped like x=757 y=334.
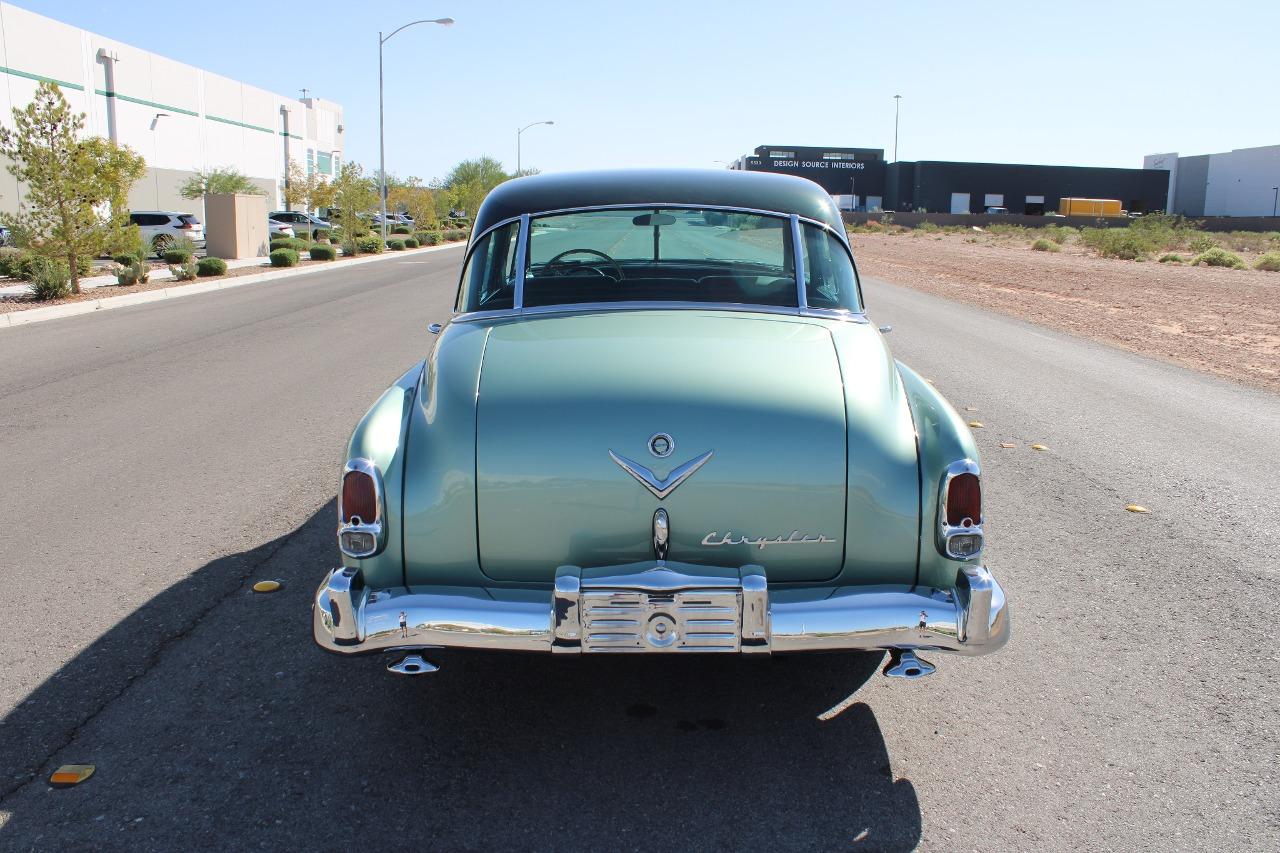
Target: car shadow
x=238 y=732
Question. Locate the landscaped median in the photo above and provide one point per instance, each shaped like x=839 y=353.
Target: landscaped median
x=162 y=285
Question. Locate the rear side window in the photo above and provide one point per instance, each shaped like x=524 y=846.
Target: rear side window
x=188 y=219
x=148 y=219
x=830 y=280
x=488 y=280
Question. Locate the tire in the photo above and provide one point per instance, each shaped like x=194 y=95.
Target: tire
x=160 y=243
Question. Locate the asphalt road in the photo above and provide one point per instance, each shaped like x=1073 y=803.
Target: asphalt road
x=160 y=458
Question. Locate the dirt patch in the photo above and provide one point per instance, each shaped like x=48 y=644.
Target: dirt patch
x=1221 y=321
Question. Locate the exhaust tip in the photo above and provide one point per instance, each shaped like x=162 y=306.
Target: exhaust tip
x=903 y=663
x=412 y=665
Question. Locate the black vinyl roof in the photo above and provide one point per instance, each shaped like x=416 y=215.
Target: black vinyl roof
x=712 y=187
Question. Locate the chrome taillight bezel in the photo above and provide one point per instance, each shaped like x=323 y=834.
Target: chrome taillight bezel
x=947 y=532
x=375 y=527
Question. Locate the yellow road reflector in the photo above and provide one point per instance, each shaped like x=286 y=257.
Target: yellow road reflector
x=1007 y=444
x=71 y=774
x=976 y=424
x=1137 y=508
x=1038 y=447
x=266 y=586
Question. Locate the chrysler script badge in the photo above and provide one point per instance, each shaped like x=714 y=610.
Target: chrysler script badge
x=660 y=487
x=714 y=539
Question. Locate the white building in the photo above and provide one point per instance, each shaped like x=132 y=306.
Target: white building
x=179 y=118
x=1242 y=182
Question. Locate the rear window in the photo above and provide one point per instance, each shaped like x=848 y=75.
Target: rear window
x=188 y=219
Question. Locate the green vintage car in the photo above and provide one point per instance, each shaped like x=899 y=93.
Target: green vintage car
x=660 y=422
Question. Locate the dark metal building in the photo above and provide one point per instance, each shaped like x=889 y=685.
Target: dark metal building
x=860 y=179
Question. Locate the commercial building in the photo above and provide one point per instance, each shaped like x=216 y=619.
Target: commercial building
x=1240 y=182
x=860 y=179
x=179 y=118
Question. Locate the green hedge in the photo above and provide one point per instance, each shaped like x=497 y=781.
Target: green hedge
x=9 y=256
x=176 y=256
x=427 y=238
x=294 y=243
x=401 y=229
x=395 y=245
x=410 y=243
x=369 y=244
x=322 y=252
x=284 y=258
x=211 y=266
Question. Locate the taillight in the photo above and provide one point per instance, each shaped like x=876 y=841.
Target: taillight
x=964 y=501
x=359 y=498
x=186 y=226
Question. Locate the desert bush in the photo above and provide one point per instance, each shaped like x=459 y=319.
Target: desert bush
x=1171 y=258
x=395 y=245
x=1219 y=257
x=211 y=266
x=322 y=252
x=928 y=227
x=1270 y=262
x=1126 y=244
x=297 y=244
x=369 y=244
x=323 y=235
x=1043 y=245
x=284 y=258
x=1058 y=233
x=431 y=238
x=410 y=243
x=49 y=279
x=1006 y=229
x=179 y=251
x=1201 y=243
x=9 y=256
x=183 y=272
x=401 y=229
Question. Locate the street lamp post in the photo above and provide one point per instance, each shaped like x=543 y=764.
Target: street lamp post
x=382 y=144
x=520 y=133
x=897 y=101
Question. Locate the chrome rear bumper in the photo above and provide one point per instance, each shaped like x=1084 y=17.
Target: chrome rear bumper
x=662 y=608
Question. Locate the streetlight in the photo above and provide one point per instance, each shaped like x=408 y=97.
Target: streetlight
x=519 y=133
x=897 y=101
x=382 y=144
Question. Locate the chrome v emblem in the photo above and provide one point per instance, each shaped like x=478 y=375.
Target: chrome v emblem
x=661 y=488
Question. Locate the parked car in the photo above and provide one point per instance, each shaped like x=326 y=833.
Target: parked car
x=6 y=236
x=997 y=211
x=639 y=434
x=303 y=224
x=160 y=228
x=279 y=229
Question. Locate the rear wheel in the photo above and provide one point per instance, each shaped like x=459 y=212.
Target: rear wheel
x=160 y=243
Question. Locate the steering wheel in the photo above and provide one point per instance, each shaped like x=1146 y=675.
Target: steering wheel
x=617 y=268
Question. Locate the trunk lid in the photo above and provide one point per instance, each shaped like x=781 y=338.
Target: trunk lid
x=559 y=397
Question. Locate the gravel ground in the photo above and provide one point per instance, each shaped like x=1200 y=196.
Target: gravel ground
x=1221 y=321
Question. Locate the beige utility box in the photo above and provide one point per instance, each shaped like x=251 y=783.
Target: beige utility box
x=235 y=226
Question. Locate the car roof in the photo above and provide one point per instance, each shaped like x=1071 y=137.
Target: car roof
x=729 y=188
x=164 y=212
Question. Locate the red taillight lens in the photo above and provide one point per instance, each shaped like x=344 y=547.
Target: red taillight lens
x=359 y=498
x=964 y=500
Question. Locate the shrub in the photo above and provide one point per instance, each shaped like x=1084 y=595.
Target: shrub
x=323 y=235
x=211 y=266
x=1058 y=233
x=401 y=229
x=49 y=279
x=1123 y=243
x=321 y=252
x=9 y=256
x=284 y=258
x=421 y=236
x=297 y=244
x=179 y=251
x=27 y=263
x=1043 y=245
x=410 y=243
x=1218 y=257
x=1171 y=258
x=138 y=272
x=369 y=243
x=431 y=238
x=1270 y=262
x=1201 y=243
x=395 y=245
x=124 y=259
x=183 y=272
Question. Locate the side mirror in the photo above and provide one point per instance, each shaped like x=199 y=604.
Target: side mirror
x=884 y=330
x=435 y=328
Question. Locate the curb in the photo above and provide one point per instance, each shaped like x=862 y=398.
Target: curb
x=90 y=306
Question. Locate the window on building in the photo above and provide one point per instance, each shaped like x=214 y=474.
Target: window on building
x=324 y=163
x=839 y=155
x=993 y=200
x=782 y=155
x=311 y=160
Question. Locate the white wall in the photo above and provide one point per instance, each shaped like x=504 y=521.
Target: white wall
x=1241 y=181
x=1168 y=162
x=209 y=120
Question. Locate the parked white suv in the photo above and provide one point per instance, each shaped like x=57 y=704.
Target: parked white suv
x=161 y=228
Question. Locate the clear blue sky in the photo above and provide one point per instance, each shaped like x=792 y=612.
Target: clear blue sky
x=689 y=83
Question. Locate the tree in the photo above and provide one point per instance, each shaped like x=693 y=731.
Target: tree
x=309 y=191
x=75 y=188
x=471 y=180
x=414 y=199
x=218 y=181
x=353 y=194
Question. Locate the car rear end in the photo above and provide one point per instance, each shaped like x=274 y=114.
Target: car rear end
x=188 y=225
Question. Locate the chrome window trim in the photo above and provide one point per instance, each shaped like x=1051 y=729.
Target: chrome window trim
x=522 y=259
x=944 y=530
x=377 y=526
x=598 y=307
